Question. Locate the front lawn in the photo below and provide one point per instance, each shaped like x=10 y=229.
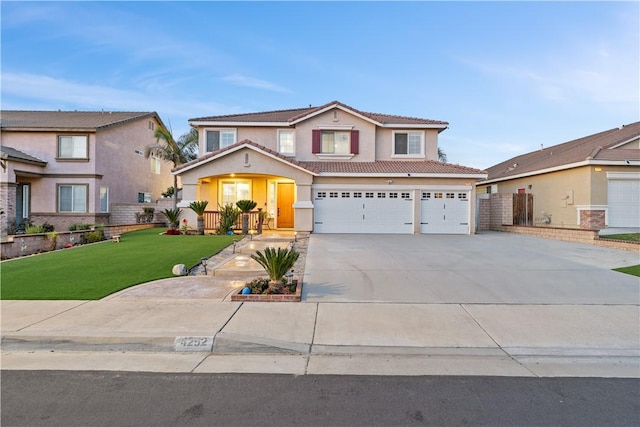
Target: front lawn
x=95 y=271
x=633 y=237
x=633 y=270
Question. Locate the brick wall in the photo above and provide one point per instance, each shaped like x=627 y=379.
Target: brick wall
x=8 y=206
x=574 y=235
x=592 y=219
x=495 y=211
x=29 y=244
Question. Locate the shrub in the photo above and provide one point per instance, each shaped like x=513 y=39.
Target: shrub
x=79 y=226
x=34 y=229
x=228 y=218
x=47 y=227
x=173 y=216
x=93 y=236
x=276 y=262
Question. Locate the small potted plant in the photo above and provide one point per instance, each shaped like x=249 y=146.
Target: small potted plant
x=276 y=263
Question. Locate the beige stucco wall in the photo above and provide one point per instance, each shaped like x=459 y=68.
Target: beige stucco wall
x=125 y=172
x=558 y=193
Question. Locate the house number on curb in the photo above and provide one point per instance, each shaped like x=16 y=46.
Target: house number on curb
x=193 y=344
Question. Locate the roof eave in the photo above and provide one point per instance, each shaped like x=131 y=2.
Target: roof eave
x=403 y=175
x=207 y=123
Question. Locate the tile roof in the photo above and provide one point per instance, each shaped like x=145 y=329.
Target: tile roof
x=599 y=146
x=350 y=167
x=391 y=167
x=62 y=120
x=288 y=116
x=14 y=154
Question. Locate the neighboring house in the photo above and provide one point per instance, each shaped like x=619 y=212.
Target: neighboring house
x=591 y=182
x=66 y=167
x=332 y=169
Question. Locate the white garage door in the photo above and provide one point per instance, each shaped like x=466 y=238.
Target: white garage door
x=444 y=212
x=363 y=211
x=624 y=203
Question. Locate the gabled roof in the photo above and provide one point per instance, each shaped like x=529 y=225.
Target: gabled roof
x=597 y=148
x=68 y=120
x=17 y=155
x=345 y=168
x=293 y=116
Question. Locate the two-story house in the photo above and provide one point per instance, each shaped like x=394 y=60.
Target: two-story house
x=66 y=167
x=332 y=169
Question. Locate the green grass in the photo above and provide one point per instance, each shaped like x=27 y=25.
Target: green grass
x=634 y=237
x=633 y=270
x=95 y=271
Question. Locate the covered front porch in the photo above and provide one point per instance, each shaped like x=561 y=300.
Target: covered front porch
x=281 y=190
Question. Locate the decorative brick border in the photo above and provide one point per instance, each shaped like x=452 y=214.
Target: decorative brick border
x=297 y=297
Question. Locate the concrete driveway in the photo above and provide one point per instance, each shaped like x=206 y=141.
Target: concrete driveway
x=487 y=268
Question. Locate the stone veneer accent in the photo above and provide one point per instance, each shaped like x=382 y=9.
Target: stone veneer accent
x=592 y=219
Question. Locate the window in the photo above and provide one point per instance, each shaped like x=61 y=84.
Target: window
x=286 y=142
x=335 y=142
x=104 y=199
x=139 y=153
x=393 y=195
x=333 y=194
x=382 y=195
x=152 y=126
x=73 y=146
x=406 y=196
x=72 y=198
x=144 y=197
x=346 y=194
x=408 y=143
x=368 y=195
x=322 y=194
x=217 y=139
x=357 y=195
x=232 y=191
x=155 y=165
x=462 y=196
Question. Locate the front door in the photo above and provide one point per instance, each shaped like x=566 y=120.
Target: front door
x=22 y=203
x=285 y=205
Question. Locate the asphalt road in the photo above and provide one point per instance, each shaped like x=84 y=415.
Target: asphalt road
x=71 y=398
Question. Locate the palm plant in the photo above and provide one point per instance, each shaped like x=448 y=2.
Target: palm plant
x=276 y=263
x=442 y=156
x=245 y=207
x=173 y=216
x=199 y=207
x=177 y=152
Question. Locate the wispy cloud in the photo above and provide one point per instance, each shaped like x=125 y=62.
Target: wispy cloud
x=240 y=80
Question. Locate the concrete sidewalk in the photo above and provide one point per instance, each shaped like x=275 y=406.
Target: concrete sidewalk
x=526 y=329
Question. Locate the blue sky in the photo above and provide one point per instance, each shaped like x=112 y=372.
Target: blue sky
x=507 y=76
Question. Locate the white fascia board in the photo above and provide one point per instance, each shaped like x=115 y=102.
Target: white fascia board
x=339 y=107
x=564 y=167
x=238 y=124
x=553 y=169
x=405 y=175
x=240 y=147
x=415 y=126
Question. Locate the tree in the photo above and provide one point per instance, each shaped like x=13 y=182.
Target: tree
x=442 y=156
x=177 y=152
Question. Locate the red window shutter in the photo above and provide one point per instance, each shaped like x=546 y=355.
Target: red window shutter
x=315 y=141
x=355 y=141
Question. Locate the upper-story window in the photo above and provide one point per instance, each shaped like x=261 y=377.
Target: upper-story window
x=335 y=142
x=410 y=144
x=286 y=142
x=217 y=139
x=155 y=165
x=73 y=147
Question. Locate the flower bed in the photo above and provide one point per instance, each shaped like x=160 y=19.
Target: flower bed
x=284 y=297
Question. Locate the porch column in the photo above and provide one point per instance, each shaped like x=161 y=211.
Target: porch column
x=303 y=208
